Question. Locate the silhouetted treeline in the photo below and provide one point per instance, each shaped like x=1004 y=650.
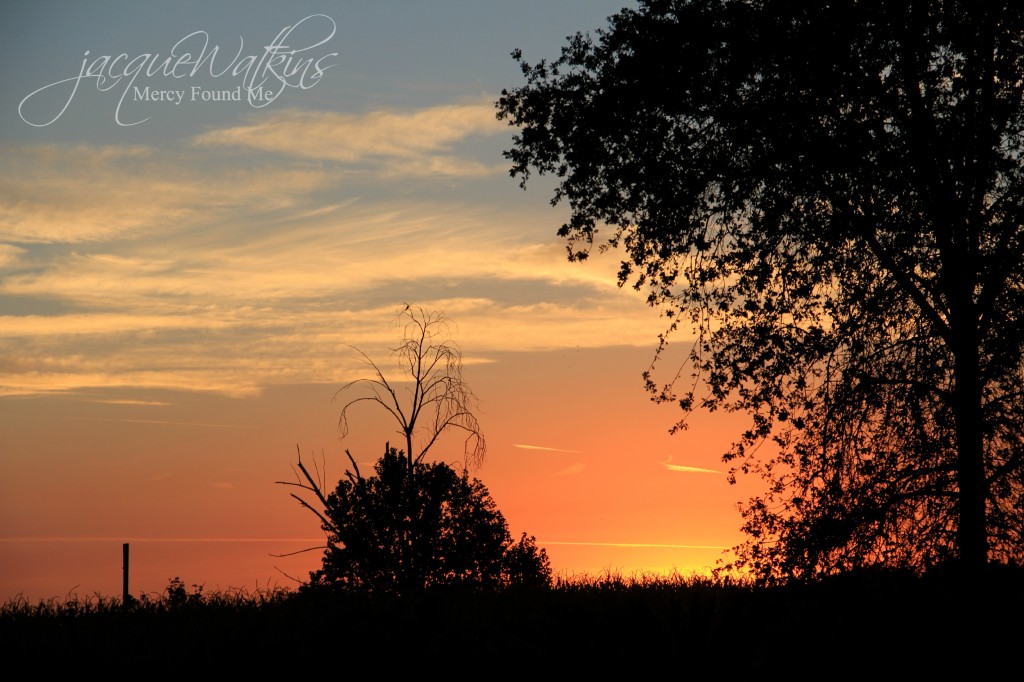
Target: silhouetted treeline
x=858 y=623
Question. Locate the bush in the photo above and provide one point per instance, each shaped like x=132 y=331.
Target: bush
x=420 y=525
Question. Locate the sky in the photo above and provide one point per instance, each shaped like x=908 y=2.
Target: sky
x=206 y=207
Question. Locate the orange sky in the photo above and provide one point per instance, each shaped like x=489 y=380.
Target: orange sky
x=203 y=467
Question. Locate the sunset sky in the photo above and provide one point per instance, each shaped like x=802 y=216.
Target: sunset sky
x=182 y=283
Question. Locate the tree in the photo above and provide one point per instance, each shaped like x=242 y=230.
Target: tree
x=451 y=534
x=829 y=195
x=438 y=399
x=416 y=524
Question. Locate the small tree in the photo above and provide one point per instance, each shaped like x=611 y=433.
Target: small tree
x=397 y=533
x=416 y=524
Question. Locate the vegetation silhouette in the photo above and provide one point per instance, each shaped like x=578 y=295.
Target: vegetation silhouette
x=436 y=398
x=904 y=622
x=402 y=532
x=831 y=198
x=417 y=525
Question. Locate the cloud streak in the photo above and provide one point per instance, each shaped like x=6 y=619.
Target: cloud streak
x=680 y=468
x=163 y=422
x=407 y=143
x=88 y=193
x=10 y=255
x=541 y=447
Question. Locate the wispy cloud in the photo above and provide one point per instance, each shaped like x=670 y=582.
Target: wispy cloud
x=233 y=312
x=86 y=193
x=96 y=323
x=407 y=143
x=439 y=166
x=576 y=468
x=687 y=469
x=541 y=447
x=9 y=255
x=238 y=350
x=158 y=421
x=350 y=249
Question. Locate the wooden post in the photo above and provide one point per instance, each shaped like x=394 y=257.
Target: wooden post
x=127 y=596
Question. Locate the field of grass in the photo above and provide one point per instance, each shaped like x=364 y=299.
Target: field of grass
x=854 y=625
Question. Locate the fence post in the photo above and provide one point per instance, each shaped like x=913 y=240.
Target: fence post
x=127 y=596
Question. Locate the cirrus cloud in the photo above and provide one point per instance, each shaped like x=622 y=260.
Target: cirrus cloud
x=680 y=468
x=89 y=193
x=412 y=143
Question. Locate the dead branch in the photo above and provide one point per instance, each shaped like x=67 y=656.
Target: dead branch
x=439 y=397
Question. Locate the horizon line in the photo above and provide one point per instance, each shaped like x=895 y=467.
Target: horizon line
x=624 y=545
x=629 y=545
x=93 y=538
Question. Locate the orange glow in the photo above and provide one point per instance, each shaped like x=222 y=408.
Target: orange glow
x=189 y=479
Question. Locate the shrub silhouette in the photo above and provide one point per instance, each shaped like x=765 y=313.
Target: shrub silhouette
x=404 y=530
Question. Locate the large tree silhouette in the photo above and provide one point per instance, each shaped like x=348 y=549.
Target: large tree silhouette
x=829 y=196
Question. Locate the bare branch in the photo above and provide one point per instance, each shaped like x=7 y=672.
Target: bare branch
x=355 y=466
x=300 y=551
x=313 y=509
x=312 y=485
x=439 y=397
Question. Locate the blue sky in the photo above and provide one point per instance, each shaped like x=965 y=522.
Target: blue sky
x=383 y=182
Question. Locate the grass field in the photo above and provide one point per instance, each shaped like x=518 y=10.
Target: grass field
x=853 y=625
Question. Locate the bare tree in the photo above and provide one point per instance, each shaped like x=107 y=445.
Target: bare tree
x=432 y=399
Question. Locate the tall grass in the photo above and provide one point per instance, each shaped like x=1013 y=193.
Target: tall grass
x=580 y=621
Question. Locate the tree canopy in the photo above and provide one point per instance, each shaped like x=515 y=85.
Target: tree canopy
x=827 y=198
x=402 y=531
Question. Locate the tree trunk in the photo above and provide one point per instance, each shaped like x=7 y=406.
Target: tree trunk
x=972 y=532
